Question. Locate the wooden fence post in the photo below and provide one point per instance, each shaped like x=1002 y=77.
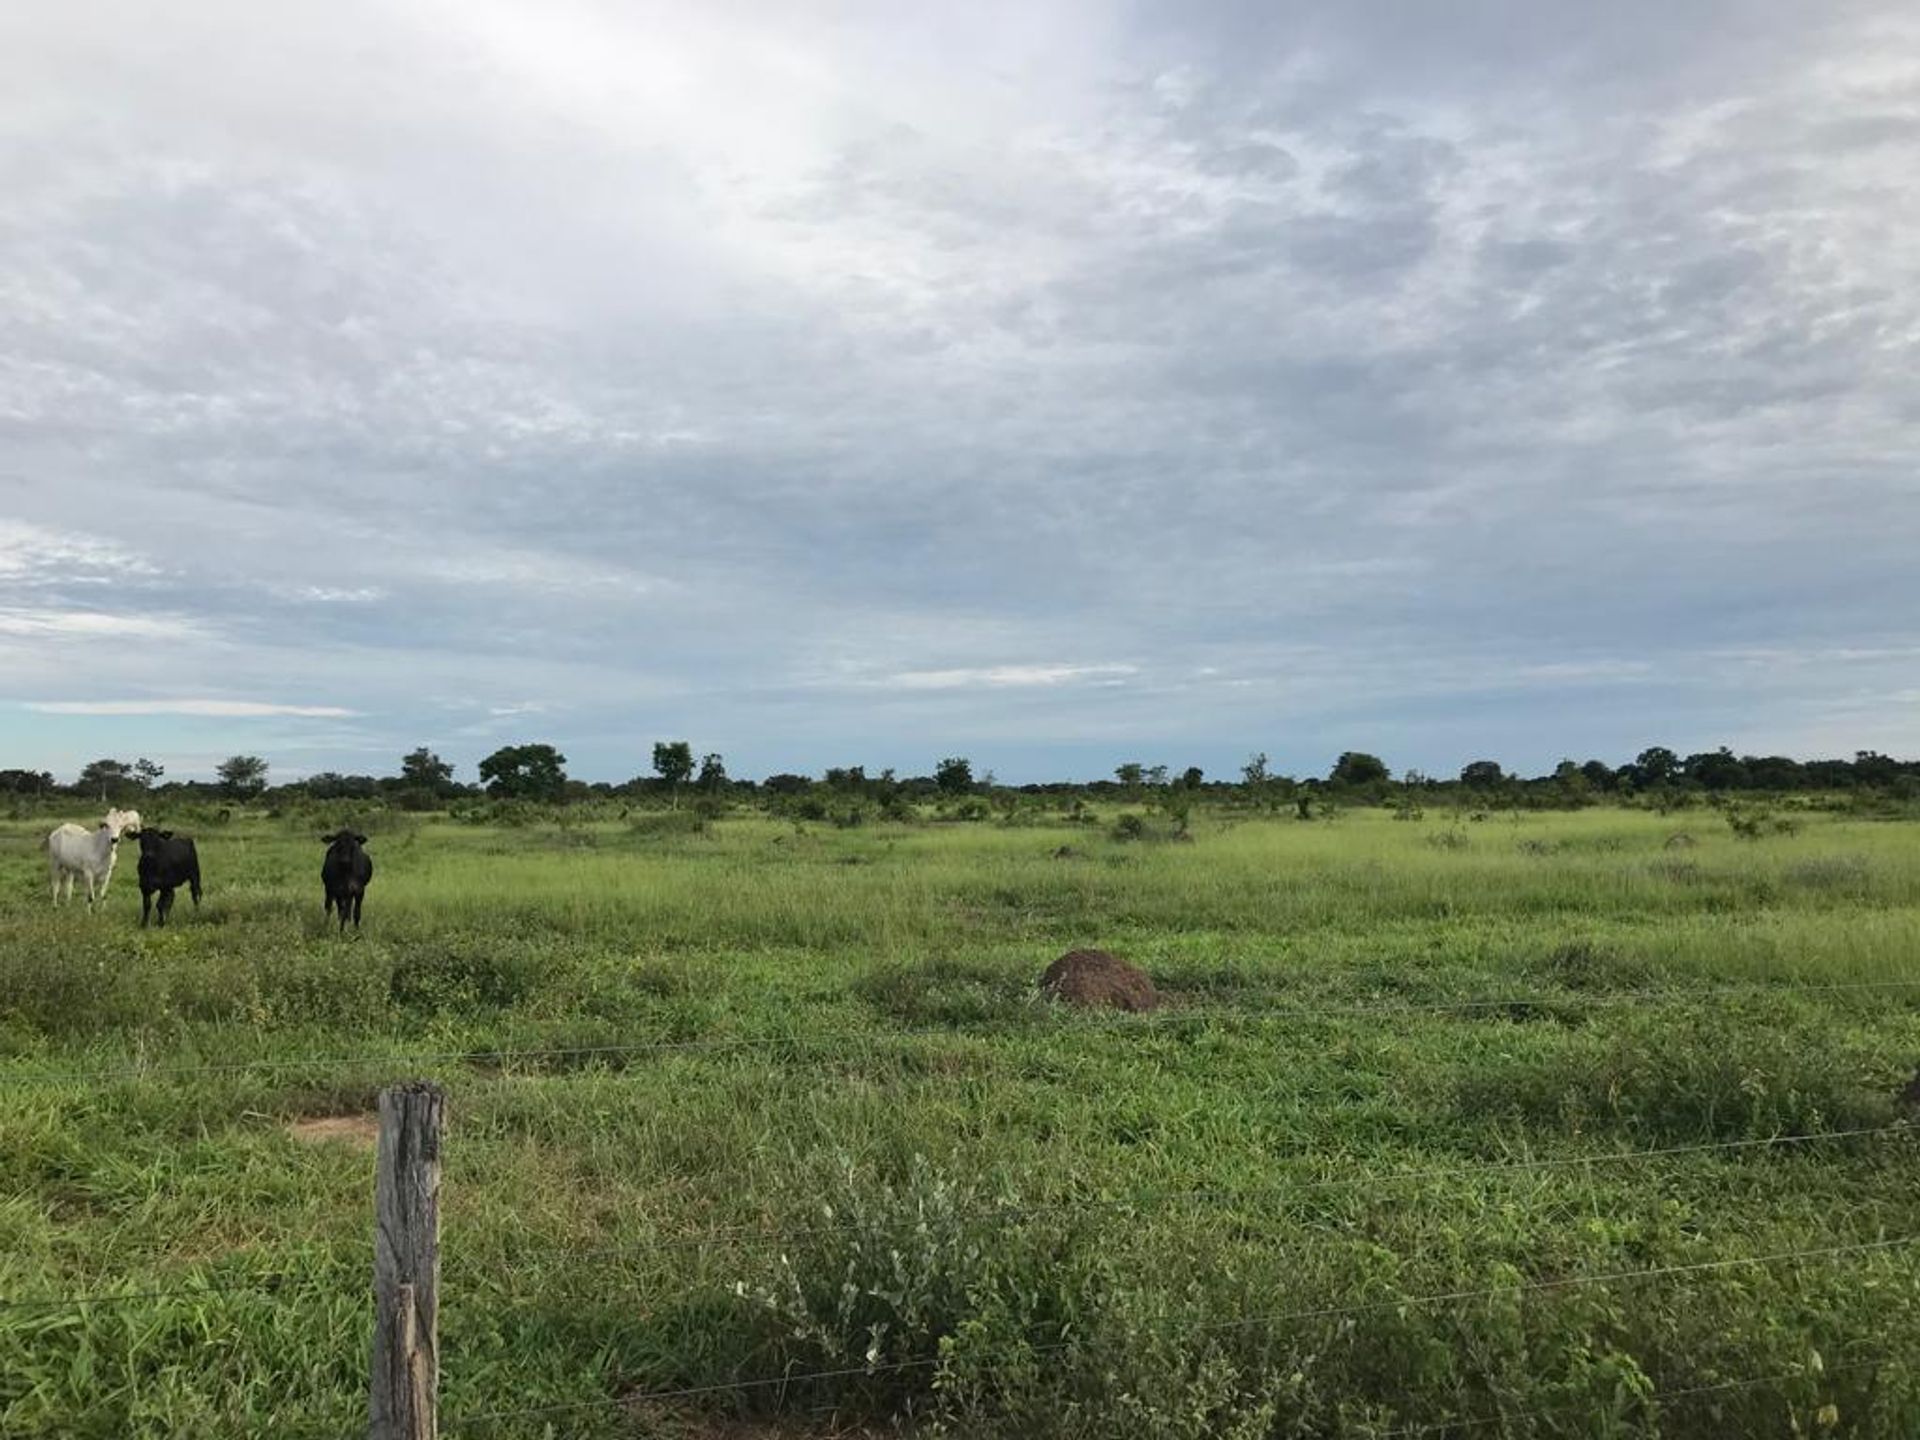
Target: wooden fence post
x=405 y=1395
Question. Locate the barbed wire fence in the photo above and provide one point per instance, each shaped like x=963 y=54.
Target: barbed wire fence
x=403 y=1385
x=1040 y=1025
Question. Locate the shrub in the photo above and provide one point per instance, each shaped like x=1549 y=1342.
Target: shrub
x=943 y=991
x=667 y=824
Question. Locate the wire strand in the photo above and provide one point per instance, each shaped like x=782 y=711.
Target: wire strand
x=262 y=1284
x=1268 y=1318
x=1657 y=1397
x=1038 y=1024
x=769 y=1232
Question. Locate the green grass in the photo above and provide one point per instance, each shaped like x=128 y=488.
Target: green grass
x=1220 y=1219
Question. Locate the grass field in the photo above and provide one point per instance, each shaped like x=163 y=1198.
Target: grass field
x=1384 y=1166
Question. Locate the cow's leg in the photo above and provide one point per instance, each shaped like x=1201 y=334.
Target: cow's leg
x=53 y=874
x=90 y=893
x=146 y=905
x=359 y=899
x=166 y=904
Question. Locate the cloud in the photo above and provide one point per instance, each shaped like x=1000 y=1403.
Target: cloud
x=37 y=556
x=1005 y=676
x=94 y=624
x=216 y=709
x=335 y=595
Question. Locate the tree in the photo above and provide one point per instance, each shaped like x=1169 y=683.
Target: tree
x=673 y=763
x=1356 y=767
x=1775 y=772
x=1599 y=774
x=954 y=775
x=525 y=772
x=1191 y=777
x=26 y=782
x=1132 y=775
x=1253 y=774
x=1870 y=767
x=146 y=773
x=1716 y=769
x=713 y=775
x=1655 y=765
x=242 y=776
x=1482 y=774
x=425 y=769
x=106 y=778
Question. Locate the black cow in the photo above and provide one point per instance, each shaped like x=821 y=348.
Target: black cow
x=167 y=861
x=345 y=873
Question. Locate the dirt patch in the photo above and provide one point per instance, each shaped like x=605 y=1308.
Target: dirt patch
x=361 y=1131
x=1090 y=979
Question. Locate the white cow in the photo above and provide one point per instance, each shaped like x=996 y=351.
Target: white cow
x=74 y=850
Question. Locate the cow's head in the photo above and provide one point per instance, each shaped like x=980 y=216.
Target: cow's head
x=152 y=840
x=344 y=840
x=122 y=822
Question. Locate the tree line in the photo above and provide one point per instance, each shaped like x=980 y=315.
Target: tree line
x=537 y=772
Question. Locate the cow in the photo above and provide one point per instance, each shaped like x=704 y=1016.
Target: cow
x=167 y=861
x=345 y=873
x=75 y=850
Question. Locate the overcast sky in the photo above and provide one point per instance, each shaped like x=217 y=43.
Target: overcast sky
x=1054 y=384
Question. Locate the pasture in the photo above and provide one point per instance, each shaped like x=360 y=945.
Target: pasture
x=1543 y=1126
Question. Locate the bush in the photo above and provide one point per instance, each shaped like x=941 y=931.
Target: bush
x=667 y=824
x=436 y=979
x=1758 y=824
x=1711 y=1075
x=943 y=991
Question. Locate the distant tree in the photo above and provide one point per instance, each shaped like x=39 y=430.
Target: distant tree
x=954 y=775
x=787 y=783
x=146 y=773
x=106 y=778
x=846 y=777
x=1599 y=774
x=1356 y=767
x=1655 y=765
x=1775 y=772
x=1253 y=774
x=1192 y=777
x=525 y=772
x=1716 y=770
x=1156 y=775
x=1870 y=767
x=331 y=785
x=26 y=782
x=242 y=776
x=1132 y=775
x=713 y=775
x=1482 y=774
x=673 y=763
x=425 y=769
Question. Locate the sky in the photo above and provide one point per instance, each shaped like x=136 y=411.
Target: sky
x=865 y=383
